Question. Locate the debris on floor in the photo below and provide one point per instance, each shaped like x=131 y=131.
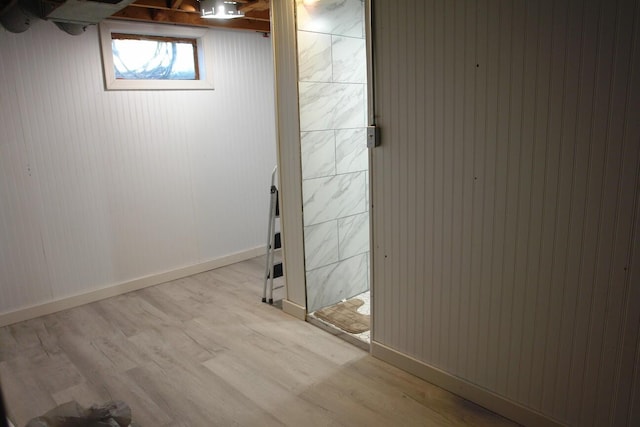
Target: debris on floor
x=71 y=414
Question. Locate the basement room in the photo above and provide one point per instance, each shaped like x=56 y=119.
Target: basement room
x=319 y=212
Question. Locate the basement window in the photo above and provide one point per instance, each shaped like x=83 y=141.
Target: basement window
x=146 y=56
x=141 y=57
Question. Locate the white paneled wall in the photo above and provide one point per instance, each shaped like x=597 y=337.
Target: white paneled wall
x=506 y=196
x=99 y=188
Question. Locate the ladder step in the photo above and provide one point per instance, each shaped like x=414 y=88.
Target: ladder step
x=274 y=190
x=277 y=241
x=277 y=271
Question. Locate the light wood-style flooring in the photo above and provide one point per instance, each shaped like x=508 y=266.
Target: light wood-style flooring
x=204 y=351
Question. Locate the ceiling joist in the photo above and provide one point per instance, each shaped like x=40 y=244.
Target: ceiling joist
x=187 y=12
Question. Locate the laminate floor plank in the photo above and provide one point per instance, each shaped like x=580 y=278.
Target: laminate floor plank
x=180 y=311
x=269 y=391
x=119 y=386
x=456 y=410
x=85 y=394
x=18 y=380
x=204 y=351
x=8 y=344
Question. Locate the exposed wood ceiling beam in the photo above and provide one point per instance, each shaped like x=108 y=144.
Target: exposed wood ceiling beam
x=186 y=12
x=257 y=5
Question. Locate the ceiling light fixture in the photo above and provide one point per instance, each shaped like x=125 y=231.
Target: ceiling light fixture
x=220 y=9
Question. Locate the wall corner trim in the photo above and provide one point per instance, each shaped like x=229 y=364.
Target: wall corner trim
x=294 y=309
x=483 y=397
x=283 y=34
x=65 y=303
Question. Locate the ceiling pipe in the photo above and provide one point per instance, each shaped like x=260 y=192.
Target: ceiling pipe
x=16 y=16
x=71 y=16
x=69 y=28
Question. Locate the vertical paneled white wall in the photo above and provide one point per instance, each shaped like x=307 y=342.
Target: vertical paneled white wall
x=98 y=188
x=506 y=196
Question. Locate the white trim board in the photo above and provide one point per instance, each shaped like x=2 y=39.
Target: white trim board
x=124 y=287
x=294 y=309
x=483 y=397
x=204 y=55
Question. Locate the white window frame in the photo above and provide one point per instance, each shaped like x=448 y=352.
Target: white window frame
x=205 y=56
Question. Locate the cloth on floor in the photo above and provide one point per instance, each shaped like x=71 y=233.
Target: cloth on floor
x=71 y=414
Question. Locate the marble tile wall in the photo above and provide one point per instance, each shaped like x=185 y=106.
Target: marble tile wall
x=332 y=87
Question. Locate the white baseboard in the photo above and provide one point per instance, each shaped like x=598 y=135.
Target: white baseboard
x=294 y=309
x=65 y=303
x=465 y=389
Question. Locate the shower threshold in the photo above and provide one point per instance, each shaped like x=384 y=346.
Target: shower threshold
x=362 y=339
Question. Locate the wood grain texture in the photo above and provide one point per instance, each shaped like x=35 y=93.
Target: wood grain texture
x=203 y=351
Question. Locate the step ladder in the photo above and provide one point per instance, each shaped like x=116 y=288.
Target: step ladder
x=274 y=242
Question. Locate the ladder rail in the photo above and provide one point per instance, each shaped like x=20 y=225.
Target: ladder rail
x=270 y=243
x=267 y=291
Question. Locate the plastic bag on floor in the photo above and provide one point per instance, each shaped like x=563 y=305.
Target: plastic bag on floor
x=71 y=414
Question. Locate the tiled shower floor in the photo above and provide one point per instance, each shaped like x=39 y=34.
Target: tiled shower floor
x=361 y=340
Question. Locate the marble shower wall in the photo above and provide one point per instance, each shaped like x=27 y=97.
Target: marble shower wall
x=333 y=114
